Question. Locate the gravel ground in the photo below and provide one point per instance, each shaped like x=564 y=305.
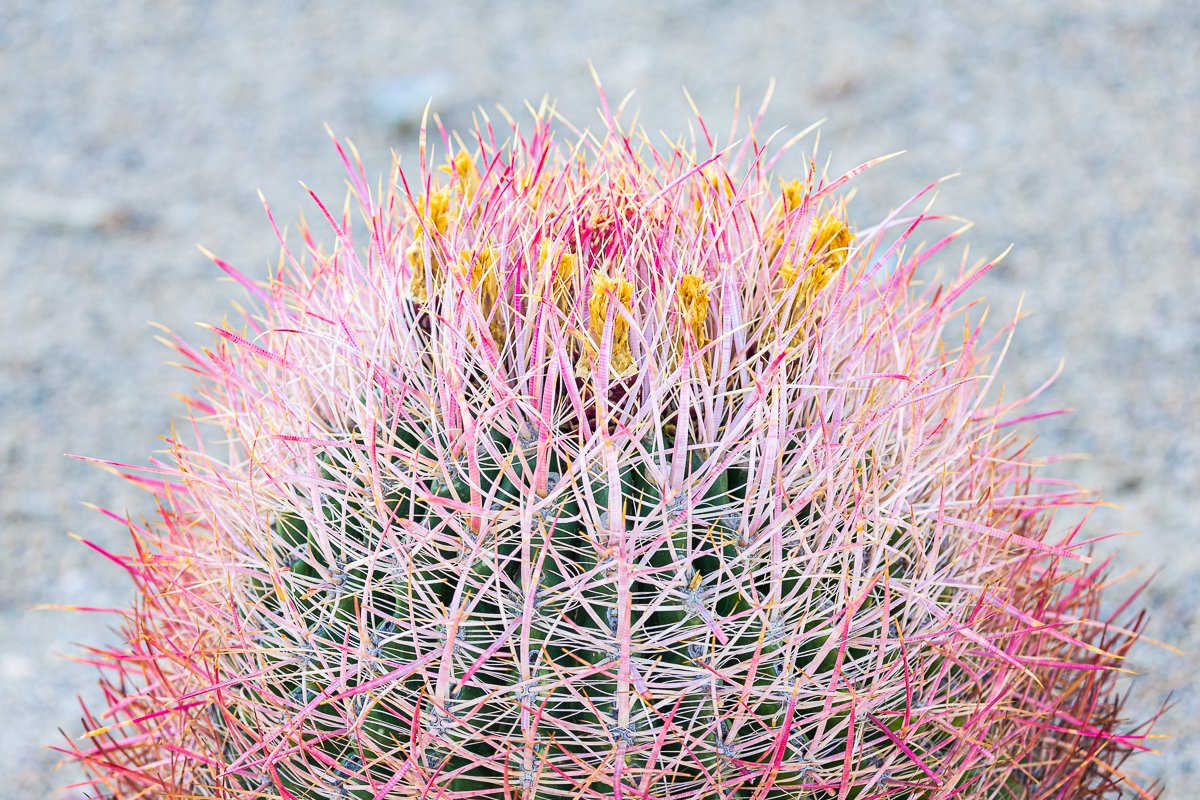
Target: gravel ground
x=132 y=134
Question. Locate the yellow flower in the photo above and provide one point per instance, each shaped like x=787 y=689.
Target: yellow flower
x=604 y=288
x=693 y=302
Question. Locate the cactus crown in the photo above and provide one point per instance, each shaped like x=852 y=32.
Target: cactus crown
x=580 y=469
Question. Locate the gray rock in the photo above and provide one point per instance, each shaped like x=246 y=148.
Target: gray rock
x=398 y=104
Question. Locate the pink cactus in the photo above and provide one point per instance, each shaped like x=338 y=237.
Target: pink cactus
x=585 y=470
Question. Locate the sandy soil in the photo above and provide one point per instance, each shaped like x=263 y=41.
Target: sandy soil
x=132 y=134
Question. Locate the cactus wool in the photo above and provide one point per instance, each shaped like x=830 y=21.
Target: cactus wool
x=573 y=467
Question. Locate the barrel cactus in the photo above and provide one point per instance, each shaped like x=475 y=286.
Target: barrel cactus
x=569 y=467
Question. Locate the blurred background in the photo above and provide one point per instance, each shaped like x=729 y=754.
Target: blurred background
x=131 y=132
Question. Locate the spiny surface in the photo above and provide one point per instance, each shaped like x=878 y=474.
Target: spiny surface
x=582 y=469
